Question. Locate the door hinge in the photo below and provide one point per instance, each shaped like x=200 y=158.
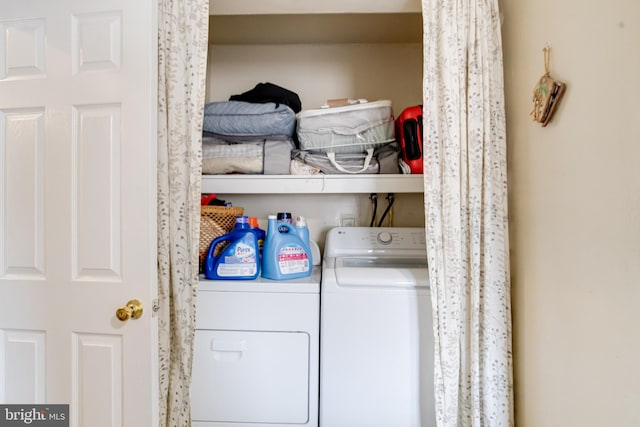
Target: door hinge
x=155 y=307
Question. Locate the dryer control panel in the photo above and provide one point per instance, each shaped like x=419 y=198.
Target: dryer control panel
x=375 y=240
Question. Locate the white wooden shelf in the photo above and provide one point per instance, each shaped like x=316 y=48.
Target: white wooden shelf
x=311 y=184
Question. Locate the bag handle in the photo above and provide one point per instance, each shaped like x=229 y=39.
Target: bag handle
x=367 y=161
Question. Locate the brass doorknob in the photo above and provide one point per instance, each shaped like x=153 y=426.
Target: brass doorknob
x=132 y=309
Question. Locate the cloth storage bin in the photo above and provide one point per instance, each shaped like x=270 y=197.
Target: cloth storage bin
x=347 y=129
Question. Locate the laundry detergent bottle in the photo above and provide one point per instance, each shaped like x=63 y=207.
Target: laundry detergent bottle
x=302 y=230
x=239 y=260
x=285 y=255
x=253 y=223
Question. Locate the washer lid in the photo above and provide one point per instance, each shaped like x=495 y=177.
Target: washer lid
x=382 y=272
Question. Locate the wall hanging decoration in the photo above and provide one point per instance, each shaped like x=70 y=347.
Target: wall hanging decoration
x=547 y=93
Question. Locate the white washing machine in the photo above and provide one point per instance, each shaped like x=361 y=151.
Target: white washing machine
x=256 y=354
x=376 y=333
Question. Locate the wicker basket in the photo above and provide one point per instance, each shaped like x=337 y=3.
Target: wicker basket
x=214 y=222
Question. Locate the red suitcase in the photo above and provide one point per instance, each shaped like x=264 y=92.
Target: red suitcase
x=409 y=136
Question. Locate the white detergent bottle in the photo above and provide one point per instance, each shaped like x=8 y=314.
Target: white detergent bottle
x=303 y=230
x=284 y=255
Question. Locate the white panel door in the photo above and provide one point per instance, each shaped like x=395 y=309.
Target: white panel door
x=77 y=207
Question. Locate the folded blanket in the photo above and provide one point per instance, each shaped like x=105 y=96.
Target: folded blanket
x=243 y=121
x=268 y=157
x=222 y=157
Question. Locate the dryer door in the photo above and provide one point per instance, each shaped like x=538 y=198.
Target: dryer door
x=251 y=377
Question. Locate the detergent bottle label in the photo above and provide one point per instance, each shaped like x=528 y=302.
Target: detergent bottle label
x=293 y=259
x=242 y=261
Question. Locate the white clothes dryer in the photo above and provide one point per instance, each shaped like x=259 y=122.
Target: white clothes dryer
x=256 y=353
x=376 y=333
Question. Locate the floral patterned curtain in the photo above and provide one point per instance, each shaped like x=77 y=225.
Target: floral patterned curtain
x=465 y=183
x=182 y=52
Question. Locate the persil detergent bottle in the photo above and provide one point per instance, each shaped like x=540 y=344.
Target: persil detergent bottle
x=285 y=255
x=239 y=260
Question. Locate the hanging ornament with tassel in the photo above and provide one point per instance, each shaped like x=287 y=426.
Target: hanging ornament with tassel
x=547 y=93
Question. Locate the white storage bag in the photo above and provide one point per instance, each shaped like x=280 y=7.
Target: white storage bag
x=347 y=129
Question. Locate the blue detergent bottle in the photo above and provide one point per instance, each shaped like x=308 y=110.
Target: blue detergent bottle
x=239 y=260
x=285 y=255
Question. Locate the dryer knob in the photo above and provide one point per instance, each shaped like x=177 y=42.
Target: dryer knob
x=384 y=237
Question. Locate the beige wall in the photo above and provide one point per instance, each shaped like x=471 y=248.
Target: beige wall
x=575 y=213
x=317 y=72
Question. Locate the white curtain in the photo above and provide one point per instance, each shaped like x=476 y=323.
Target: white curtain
x=465 y=182
x=182 y=52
